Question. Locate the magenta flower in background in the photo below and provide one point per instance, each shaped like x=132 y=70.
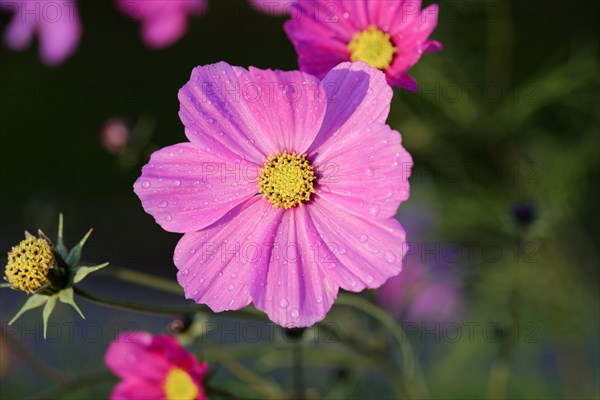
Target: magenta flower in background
x=421 y=294
x=286 y=191
x=154 y=368
x=273 y=7
x=56 y=24
x=390 y=35
x=163 y=22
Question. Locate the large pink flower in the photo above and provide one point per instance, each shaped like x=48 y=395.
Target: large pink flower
x=391 y=35
x=164 y=22
x=154 y=368
x=286 y=191
x=56 y=23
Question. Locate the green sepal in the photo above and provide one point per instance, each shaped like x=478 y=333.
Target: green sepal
x=67 y=297
x=82 y=272
x=60 y=244
x=75 y=253
x=48 y=308
x=34 y=301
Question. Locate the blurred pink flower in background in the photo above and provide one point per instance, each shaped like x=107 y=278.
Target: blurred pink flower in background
x=115 y=135
x=163 y=22
x=273 y=7
x=56 y=24
x=154 y=367
x=390 y=35
x=422 y=294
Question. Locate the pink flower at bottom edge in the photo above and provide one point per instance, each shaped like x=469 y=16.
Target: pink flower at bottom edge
x=57 y=25
x=154 y=368
x=163 y=22
x=286 y=192
x=390 y=35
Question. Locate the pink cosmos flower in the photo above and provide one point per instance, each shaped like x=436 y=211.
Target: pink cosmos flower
x=273 y=7
x=286 y=191
x=390 y=35
x=56 y=23
x=164 y=22
x=154 y=368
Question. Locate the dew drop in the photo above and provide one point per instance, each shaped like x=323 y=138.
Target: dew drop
x=176 y=183
x=363 y=238
x=389 y=257
x=145 y=184
x=374 y=211
x=294 y=313
x=162 y=204
x=283 y=303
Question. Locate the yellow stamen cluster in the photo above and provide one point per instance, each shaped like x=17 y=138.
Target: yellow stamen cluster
x=287 y=180
x=372 y=46
x=180 y=386
x=29 y=263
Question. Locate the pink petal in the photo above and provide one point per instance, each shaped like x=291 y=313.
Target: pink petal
x=215 y=114
x=164 y=29
x=288 y=108
x=59 y=38
x=294 y=291
x=186 y=188
x=403 y=81
x=358 y=96
x=369 y=252
x=217 y=266
x=366 y=173
x=20 y=30
x=138 y=390
x=129 y=356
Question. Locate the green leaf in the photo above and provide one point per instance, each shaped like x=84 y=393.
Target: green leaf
x=34 y=301
x=75 y=254
x=66 y=296
x=60 y=244
x=48 y=308
x=82 y=272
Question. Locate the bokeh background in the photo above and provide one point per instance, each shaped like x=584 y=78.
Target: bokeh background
x=500 y=296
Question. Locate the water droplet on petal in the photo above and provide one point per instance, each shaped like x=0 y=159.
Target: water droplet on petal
x=176 y=183
x=162 y=204
x=294 y=313
x=283 y=303
x=145 y=184
x=363 y=238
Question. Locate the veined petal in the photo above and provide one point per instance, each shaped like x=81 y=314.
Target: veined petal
x=293 y=289
x=288 y=108
x=187 y=188
x=369 y=251
x=367 y=173
x=218 y=265
x=357 y=97
x=215 y=114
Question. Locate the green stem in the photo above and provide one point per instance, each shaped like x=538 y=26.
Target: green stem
x=298 y=371
x=165 y=310
x=410 y=368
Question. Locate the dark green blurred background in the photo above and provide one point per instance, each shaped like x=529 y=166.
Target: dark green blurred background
x=506 y=116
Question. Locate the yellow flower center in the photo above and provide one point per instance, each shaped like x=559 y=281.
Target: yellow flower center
x=287 y=180
x=372 y=46
x=29 y=263
x=180 y=386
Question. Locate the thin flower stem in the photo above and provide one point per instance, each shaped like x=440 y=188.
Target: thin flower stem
x=164 y=310
x=265 y=387
x=410 y=369
x=298 y=371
